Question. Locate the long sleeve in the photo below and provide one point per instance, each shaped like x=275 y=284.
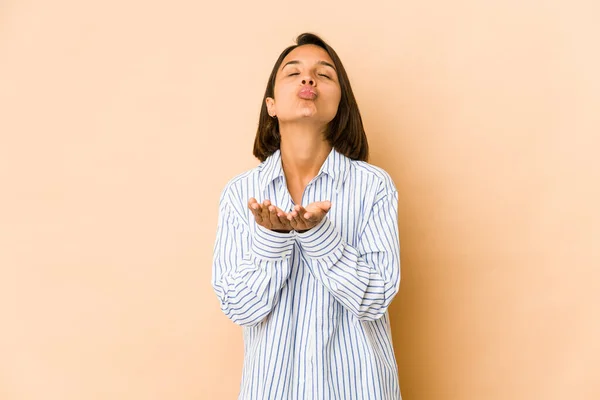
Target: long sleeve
x=248 y=270
x=364 y=279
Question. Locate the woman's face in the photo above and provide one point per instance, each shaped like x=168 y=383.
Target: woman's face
x=306 y=87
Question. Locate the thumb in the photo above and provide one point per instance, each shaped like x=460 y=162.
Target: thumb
x=323 y=205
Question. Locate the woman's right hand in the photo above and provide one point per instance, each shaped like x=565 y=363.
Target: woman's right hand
x=269 y=216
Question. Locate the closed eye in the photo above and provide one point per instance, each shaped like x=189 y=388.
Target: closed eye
x=326 y=76
x=294 y=73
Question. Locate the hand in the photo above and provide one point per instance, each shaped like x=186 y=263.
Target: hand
x=305 y=218
x=269 y=216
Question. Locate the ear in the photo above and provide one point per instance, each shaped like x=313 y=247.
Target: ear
x=271 y=106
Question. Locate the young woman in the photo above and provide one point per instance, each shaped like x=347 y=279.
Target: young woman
x=307 y=255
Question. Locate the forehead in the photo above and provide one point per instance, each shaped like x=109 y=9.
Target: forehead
x=307 y=54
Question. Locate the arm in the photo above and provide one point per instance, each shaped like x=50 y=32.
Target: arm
x=365 y=278
x=248 y=270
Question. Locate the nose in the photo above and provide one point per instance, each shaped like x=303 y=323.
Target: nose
x=308 y=81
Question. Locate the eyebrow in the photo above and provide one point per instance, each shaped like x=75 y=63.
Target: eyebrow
x=318 y=62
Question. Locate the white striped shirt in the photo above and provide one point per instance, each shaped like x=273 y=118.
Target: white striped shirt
x=313 y=305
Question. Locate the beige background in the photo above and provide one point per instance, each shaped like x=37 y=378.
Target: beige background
x=121 y=121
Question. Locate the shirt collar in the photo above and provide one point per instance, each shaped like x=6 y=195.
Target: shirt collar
x=271 y=170
x=336 y=166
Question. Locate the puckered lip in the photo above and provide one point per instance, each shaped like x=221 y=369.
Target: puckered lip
x=307 y=92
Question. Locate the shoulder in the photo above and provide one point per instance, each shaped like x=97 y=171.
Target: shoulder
x=237 y=186
x=377 y=177
x=239 y=189
x=236 y=193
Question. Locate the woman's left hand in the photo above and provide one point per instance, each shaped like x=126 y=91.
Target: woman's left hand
x=305 y=218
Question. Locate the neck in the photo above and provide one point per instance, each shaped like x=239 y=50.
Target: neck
x=303 y=152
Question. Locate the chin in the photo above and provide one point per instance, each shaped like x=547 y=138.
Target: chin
x=307 y=113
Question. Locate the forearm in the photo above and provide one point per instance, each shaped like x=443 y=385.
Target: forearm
x=364 y=278
x=249 y=270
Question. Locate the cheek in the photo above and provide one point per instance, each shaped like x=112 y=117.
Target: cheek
x=338 y=93
x=335 y=96
x=283 y=95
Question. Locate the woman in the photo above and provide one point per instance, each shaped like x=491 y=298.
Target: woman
x=307 y=254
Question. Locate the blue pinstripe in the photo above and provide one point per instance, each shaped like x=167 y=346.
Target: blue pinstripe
x=313 y=305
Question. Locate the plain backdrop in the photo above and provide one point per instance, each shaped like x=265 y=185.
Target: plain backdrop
x=121 y=122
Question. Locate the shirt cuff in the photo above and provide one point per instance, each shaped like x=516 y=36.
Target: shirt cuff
x=321 y=240
x=271 y=245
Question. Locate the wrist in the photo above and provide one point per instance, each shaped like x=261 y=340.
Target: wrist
x=321 y=240
x=269 y=244
x=289 y=230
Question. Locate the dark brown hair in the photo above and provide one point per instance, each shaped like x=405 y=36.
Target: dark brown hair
x=345 y=132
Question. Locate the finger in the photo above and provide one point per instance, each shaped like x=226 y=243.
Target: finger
x=280 y=213
x=285 y=223
x=295 y=212
x=297 y=221
x=258 y=211
x=273 y=217
x=258 y=215
x=282 y=217
x=290 y=217
x=265 y=213
x=313 y=217
x=253 y=205
x=316 y=211
x=323 y=205
x=301 y=211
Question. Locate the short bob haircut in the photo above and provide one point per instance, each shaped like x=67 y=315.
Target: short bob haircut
x=345 y=132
